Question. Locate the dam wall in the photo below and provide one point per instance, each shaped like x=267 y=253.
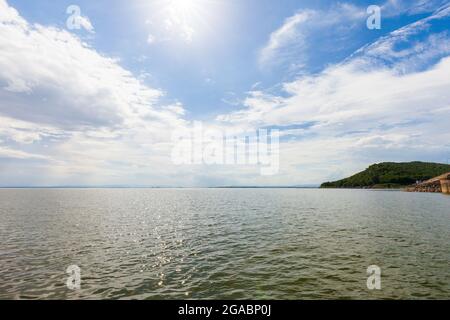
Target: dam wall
x=440 y=184
x=445 y=186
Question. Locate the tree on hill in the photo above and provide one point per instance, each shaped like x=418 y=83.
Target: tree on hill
x=391 y=175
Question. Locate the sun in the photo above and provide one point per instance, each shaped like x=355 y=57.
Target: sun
x=185 y=17
x=184 y=8
x=183 y=5
x=189 y=21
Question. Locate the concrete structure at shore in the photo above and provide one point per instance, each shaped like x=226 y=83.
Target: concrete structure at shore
x=438 y=184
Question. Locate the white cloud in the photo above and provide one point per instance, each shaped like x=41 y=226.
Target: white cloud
x=90 y=117
x=330 y=30
x=62 y=77
x=77 y=21
x=291 y=41
x=285 y=35
x=386 y=102
x=25 y=132
x=85 y=23
x=6 y=152
x=75 y=116
x=9 y=14
x=396 y=7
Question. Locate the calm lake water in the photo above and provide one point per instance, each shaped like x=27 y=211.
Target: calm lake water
x=223 y=243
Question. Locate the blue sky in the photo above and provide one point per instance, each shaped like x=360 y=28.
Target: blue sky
x=220 y=63
x=137 y=70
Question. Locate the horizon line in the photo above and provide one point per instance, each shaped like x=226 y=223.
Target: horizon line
x=311 y=186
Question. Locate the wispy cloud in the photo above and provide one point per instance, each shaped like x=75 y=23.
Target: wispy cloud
x=388 y=101
x=328 y=30
x=6 y=152
x=86 y=24
x=411 y=7
x=284 y=36
x=291 y=42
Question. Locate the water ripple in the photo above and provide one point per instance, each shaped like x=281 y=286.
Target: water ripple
x=223 y=244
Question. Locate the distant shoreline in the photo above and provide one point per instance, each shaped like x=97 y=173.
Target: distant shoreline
x=145 y=187
x=236 y=187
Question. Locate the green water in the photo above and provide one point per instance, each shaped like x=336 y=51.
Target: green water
x=223 y=243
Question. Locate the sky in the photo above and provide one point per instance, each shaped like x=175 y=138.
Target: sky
x=92 y=92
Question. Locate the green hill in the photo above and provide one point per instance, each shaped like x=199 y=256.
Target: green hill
x=391 y=175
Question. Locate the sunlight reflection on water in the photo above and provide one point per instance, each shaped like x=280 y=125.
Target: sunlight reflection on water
x=223 y=243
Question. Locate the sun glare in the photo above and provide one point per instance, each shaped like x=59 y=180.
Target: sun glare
x=184 y=7
x=187 y=20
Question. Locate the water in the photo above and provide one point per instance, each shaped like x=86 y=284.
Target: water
x=223 y=243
